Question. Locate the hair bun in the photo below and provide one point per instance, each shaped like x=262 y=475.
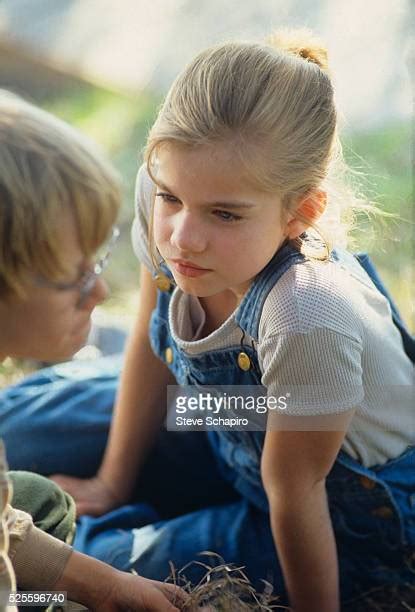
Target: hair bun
x=300 y=43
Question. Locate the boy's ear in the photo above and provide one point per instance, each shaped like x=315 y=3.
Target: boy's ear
x=308 y=211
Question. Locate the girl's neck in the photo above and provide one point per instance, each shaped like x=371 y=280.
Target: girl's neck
x=217 y=309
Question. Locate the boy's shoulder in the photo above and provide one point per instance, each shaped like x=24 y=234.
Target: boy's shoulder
x=310 y=295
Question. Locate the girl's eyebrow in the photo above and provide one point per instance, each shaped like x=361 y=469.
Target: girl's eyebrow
x=229 y=205
x=233 y=205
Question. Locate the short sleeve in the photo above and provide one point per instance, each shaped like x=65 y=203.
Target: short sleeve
x=38 y=558
x=144 y=189
x=319 y=371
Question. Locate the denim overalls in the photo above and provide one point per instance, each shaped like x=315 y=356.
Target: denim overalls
x=203 y=490
x=372 y=510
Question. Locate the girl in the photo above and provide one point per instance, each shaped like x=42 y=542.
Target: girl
x=240 y=286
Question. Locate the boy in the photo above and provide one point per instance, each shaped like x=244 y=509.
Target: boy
x=58 y=203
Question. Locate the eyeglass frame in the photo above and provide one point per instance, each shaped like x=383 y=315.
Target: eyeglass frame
x=88 y=279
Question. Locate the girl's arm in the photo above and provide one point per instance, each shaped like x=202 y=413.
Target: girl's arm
x=294 y=468
x=141 y=404
x=138 y=414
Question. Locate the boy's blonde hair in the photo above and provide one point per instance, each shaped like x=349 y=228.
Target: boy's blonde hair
x=46 y=169
x=275 y=103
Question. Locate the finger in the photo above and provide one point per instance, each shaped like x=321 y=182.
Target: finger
x=174 y=593
x=159 y=603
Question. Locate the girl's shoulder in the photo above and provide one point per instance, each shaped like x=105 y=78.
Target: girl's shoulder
x=316 y=295
x=311 y=333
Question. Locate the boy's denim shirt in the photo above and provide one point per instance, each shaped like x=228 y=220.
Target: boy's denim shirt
x=375 y=505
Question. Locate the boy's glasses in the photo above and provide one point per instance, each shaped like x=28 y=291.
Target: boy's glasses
x=88 y=279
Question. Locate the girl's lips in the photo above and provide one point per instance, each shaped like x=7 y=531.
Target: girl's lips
x=188 y=269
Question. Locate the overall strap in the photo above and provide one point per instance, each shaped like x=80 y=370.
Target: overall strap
x=249 y=311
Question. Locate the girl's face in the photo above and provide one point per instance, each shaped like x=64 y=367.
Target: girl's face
x=213 y=228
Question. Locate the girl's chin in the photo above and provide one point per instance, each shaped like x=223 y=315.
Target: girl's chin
x=196 y=289
x=202 y=288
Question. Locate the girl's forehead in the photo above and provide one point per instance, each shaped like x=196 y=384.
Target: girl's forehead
x=211 y=151
x=213 y=166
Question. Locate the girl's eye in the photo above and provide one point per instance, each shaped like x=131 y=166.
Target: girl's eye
x=226 y=216
x=166 y=197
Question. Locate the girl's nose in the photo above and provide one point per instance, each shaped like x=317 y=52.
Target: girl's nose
x=188 y=235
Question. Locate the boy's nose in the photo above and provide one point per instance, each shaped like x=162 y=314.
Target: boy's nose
x=101 y=290
x=98 y=294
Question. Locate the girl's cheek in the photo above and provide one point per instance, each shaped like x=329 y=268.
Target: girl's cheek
x=160 y=241
x=161 y=227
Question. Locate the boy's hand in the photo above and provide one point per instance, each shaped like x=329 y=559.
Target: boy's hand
x=139 y=594
x=92 y=496
x=101 y=588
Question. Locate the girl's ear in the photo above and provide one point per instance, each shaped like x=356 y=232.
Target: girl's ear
x=308 y=211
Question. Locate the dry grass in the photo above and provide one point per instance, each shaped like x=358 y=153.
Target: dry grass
x=226 y=588
x=223 y=588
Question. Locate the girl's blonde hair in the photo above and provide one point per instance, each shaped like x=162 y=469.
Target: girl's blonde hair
x=47 y=168
x=275 y=101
